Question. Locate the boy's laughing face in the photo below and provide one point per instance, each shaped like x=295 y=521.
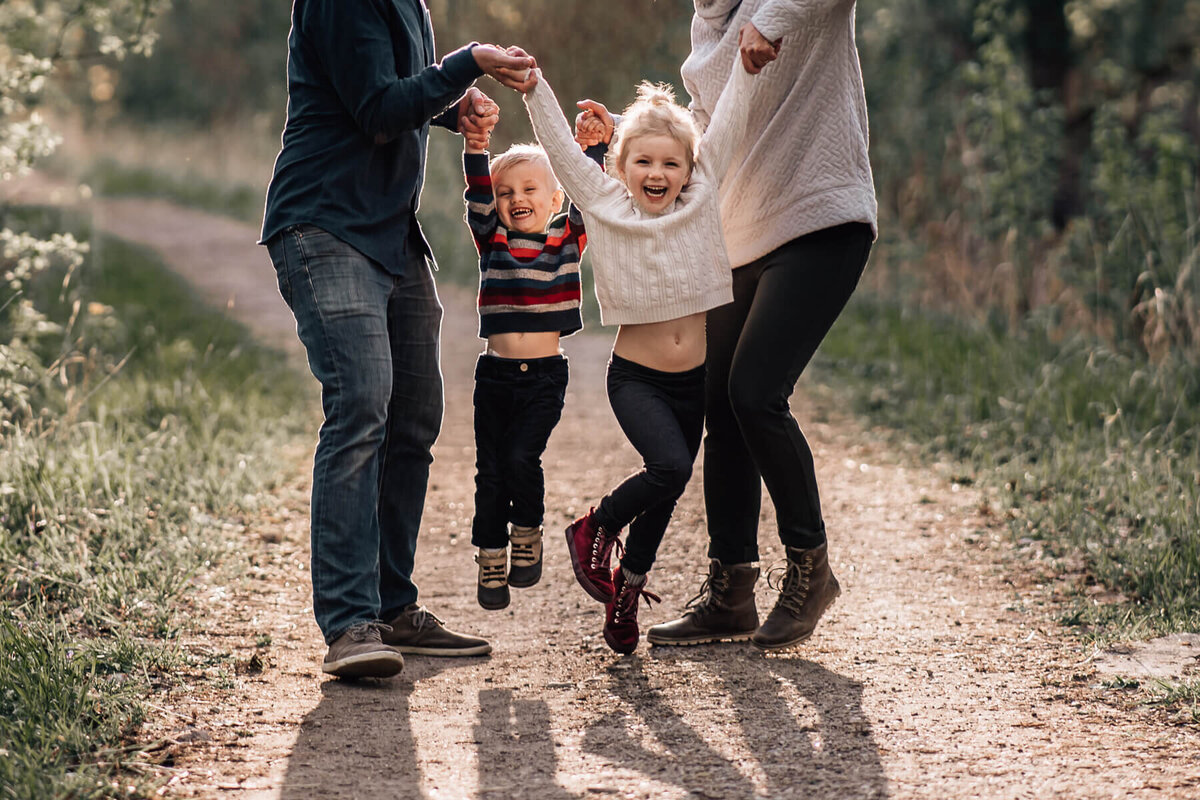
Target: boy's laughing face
x=526 y=197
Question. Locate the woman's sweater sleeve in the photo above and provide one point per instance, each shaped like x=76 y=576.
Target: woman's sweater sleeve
x=728 y=124
x=582 y=178
x=777 y=18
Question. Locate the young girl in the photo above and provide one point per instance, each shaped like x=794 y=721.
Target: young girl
x=659 y=261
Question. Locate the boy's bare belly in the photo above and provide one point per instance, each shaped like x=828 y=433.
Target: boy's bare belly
x=524 y=345
x=672 y=346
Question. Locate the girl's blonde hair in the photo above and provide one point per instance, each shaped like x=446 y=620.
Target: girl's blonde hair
x=655 y=113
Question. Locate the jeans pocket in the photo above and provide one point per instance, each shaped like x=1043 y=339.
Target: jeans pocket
x=278 y=247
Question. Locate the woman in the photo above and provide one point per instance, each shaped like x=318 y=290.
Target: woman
x=799 y=214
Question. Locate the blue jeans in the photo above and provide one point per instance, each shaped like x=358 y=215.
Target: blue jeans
x=372 y=342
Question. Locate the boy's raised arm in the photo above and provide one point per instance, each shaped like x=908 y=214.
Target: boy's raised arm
x=480 y=200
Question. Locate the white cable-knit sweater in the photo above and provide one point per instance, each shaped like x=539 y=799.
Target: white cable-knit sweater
x=802 y=165
x=650 y=268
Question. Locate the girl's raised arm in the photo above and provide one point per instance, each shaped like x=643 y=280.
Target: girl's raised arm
x=582 y=178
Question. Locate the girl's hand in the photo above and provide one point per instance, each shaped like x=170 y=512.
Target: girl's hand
x=756 y=51
x=593 y=125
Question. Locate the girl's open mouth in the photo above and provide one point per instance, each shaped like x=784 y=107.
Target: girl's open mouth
x=655 y=191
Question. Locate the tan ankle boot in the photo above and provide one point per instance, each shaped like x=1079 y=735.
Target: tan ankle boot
x=526 y=567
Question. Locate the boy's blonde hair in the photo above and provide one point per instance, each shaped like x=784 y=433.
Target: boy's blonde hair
x=523 y=154
x=655 y=113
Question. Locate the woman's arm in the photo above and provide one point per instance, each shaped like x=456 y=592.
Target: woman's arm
x=728 y=124
x=777 y=18
x=582 y=179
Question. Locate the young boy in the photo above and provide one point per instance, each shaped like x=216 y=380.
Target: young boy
x=529 y=295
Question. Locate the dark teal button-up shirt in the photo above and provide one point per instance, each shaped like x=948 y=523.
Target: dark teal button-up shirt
x=363 y=89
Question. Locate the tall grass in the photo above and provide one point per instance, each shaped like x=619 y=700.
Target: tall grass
x=1095 y=454
x=153 y=421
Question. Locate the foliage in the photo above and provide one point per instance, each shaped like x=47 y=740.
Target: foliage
x=1093 y=453
x=129 y=424
x=150 y=439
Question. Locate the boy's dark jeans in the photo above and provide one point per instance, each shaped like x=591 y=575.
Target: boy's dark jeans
x=783 y=305
x=517 y=404
x=662 y=414
x=372 y=342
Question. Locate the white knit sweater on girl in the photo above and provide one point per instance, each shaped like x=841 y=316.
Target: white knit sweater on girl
x=650 y=268
x=802 y=165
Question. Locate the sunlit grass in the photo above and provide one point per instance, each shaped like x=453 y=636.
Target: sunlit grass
x=1093 y=453
x=162 y=425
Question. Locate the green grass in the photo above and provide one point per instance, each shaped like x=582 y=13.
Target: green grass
x=161 y=422
x=1094 y=453
x=243 y=202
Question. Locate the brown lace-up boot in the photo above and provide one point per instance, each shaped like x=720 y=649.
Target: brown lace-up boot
x=724 y=609
x=806 y=589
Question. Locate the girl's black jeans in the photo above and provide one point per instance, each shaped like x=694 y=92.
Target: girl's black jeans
x=662 y=415
x=783 y=305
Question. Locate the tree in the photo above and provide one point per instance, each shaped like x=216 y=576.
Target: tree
x=40 y=40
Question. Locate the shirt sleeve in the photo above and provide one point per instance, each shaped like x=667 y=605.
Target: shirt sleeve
x=597 y=153
x=355 y=45
x=480 y=200
x=777 y=18
x=728 y=124
x=583 y=181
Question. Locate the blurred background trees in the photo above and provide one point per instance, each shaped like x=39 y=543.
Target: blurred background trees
x=1029 y=154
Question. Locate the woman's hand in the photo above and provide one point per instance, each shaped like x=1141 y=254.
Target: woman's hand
x=756 y=51
x=512 y=67
x=593 y=125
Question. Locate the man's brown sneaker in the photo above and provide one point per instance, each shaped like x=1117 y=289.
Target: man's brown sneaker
x=526 y=567
x=806 y=589
x=360 y=653
x=724 y=609
x=492 y=587
x=416 y=630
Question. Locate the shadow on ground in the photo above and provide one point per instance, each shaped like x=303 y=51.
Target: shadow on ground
x=659 y=729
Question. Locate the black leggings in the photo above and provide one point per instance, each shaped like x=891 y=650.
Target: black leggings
x=662 y=414
x=783 y=305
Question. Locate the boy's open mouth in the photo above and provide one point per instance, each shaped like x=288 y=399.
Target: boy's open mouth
x=519 y=213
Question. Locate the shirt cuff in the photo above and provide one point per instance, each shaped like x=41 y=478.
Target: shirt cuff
x=460 y=65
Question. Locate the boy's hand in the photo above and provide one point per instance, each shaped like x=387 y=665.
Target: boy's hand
x=512 y=67
x=477 y=115
x=756 y=51
x=593 y=125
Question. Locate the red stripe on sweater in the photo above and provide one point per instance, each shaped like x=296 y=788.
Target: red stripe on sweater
x=527 y=298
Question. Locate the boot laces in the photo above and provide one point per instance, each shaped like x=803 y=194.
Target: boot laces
x=792 y=581
x=603 y=544
x=625 y=606
x=712 y=593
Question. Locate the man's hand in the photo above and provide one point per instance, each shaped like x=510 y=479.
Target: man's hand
x=756 y=51
x=512 y=67
x=593 y=125
x=477 y=115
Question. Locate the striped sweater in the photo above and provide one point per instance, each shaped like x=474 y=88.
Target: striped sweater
x=528 y=282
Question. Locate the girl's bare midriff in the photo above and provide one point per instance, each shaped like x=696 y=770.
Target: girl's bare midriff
x=676 y=345
x=523 y=345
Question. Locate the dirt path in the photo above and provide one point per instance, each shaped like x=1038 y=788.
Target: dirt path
x=934 y=676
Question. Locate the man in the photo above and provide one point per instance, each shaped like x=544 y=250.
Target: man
x=353 y=265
